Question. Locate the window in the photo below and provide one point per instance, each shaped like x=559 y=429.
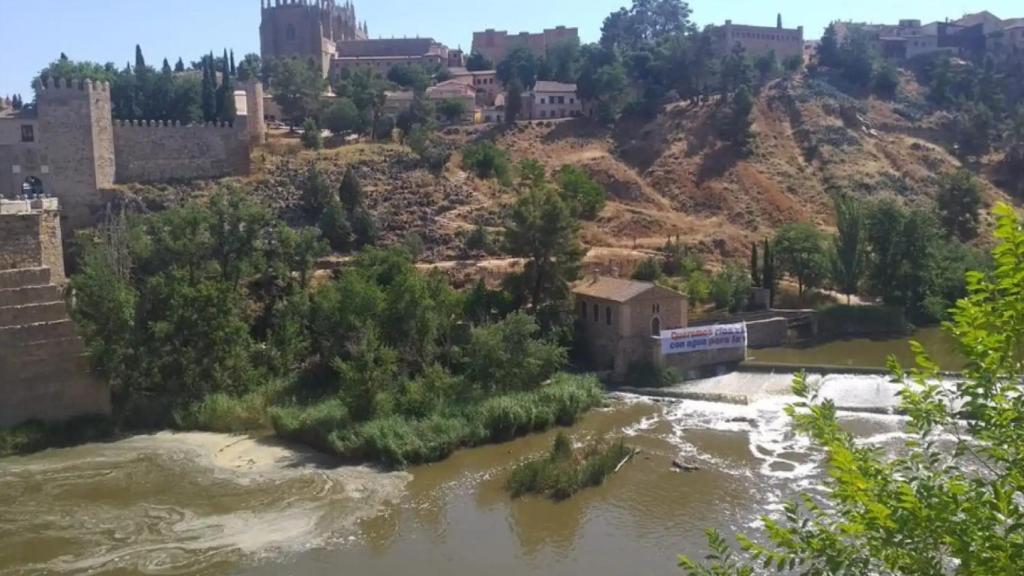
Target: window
x=290 y=32
x=597 y=312
x=608 y=315
x=541 y=100
x=572 y=100
x=583 y=305
x=28 y=133
x=543 y=113
x=656 y=326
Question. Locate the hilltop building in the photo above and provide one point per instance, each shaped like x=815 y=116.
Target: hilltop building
x=382 y=54
x=496 y=44
x=972 y=36
x=307 y=29
x=69 y=146
x=331 y=35
x=759 y=40
x=552 y=100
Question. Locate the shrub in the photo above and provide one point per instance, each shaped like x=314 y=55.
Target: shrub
x=226 y=413
x=566 y=471
x=647 y=270
x=311 y=137
x=311 y=425
x=487 y=161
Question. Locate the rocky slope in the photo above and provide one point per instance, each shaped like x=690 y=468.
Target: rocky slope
x=665 y=177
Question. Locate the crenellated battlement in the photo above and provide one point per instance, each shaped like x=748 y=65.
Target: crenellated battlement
x=174 y=124
x=69 y=84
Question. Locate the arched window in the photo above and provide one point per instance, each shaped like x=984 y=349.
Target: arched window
x=608 y=315
x=583 y=305
x=290 y=32
x=597 y=313
x=656 y=326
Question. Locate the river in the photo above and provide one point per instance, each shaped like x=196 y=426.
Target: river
x=867 y=352
x=210 y=505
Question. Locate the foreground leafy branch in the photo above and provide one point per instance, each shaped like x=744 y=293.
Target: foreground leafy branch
x=952 y=502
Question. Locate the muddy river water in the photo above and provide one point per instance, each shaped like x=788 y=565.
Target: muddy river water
x=211 y=504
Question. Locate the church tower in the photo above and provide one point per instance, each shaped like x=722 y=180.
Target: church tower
x=307 y=29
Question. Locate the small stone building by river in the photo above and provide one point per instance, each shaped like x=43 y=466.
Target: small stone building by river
x=621 y=319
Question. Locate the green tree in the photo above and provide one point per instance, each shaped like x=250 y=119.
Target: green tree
x=541 y=230
x=140 y=60
x=513 y=101
x=581 y=194
x=486 y=161
x=828 y=49
x=848 y=247
x=959 y=202
x=316 y=191
x=767 y=66
x=342 y=116
x=297 y=86
x=520 y=64
x=730 y=288
x=886 y=81
x=508 y=356
x=350 y=193
x=736 y=127
x=973 y=126
x=800 y=252
x=312 y=138
x=452 y=110
x=902 y=248
x=793 y=64
x=250 y=68
x=411 y=76
x=478 y=62
x=769 y=279
x=943 y=502
x=226 y=94
x=755 y=272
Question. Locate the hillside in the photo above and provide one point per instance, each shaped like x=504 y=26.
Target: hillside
x=665 y=177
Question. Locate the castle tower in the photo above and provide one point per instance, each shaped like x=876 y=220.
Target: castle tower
x=75 y=123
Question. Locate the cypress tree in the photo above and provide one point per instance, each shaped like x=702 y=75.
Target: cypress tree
x=180 y=65
x=769 y=273
x=63 y=57
x=140 y=61
x=208 y=93
x=755 y=274
x=233 y=69
x=166 y=69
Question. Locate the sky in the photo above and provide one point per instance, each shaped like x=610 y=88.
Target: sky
x=35 y=32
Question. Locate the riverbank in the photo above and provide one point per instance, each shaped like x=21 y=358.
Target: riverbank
x=394 y=441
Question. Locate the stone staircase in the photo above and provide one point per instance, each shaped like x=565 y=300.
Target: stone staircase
x=43 y=371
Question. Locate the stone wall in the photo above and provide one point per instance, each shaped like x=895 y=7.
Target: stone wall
x=767 y=333
x=147 y=152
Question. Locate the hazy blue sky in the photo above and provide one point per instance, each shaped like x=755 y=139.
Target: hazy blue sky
x=34 y=32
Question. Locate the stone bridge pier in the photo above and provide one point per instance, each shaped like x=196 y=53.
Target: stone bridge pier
x=44 y=374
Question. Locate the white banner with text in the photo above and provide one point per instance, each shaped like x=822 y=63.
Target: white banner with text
x=703 y=338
